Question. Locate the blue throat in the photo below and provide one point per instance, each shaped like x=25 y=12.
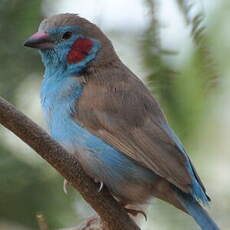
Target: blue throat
x=56 y=65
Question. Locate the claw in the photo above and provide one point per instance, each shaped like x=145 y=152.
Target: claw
x=66 y=182
x=101 y=186
x=134 y=212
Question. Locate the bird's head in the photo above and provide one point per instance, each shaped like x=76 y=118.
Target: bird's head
x=70 y=43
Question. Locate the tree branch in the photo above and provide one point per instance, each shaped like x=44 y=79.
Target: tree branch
x=113 y=216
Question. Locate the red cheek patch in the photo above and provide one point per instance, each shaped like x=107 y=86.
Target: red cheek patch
x=79 y=50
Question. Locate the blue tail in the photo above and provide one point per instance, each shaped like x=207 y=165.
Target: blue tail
x=196 y=211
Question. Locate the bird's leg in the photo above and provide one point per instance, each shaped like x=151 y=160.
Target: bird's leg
x=65 y=184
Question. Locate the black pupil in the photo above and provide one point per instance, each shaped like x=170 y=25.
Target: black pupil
x=67 y=35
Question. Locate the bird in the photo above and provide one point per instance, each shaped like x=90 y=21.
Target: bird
x=101 y=112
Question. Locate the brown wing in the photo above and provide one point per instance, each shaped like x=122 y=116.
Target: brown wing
x=124 y=114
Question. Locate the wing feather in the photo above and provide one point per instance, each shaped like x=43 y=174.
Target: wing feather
x=124 y=114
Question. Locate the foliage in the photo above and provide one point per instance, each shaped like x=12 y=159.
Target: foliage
x=199 y=35
x=182 y=92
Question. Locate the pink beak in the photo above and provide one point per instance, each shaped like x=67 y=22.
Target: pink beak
x=39 y=40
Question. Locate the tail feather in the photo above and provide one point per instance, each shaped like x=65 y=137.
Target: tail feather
x=196 y=211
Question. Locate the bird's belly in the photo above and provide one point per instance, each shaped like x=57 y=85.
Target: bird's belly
x=124 y=177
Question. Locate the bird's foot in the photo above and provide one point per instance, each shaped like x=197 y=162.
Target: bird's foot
x=134 y=212
x=65 y=184
x=101 y=186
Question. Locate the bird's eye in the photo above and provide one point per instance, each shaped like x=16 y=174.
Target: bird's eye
x=67 y=35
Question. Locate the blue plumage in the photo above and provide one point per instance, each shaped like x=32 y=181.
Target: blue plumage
x=92 y=103
x=197 y=212
x=196 y=188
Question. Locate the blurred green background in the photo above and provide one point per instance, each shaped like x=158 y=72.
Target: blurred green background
x=180 y=48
